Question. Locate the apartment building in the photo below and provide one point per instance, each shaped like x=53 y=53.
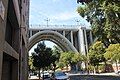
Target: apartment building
x=14 y=20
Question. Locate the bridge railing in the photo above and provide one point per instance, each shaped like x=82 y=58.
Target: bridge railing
x=55 y=26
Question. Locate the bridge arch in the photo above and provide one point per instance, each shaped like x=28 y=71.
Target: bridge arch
x=53 y=36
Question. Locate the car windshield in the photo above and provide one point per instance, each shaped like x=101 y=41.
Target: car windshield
x=60 y=74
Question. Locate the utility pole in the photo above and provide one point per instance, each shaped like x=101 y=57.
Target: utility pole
x=47 y=20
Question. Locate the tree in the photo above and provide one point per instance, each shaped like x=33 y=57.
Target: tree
x=70 y=58
x=56 y=52
x=30 y=63
x=56 y=55
x=96 y=54
x=66 y=58
x=77 y=57
x=104 y=16
x=42 y=57
x=61 y=65
x=113 y=53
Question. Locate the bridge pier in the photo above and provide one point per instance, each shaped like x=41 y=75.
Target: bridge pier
x=85 y=40
x=82 y=42
x=63 y=33
x=30 y=33
x=79 y=41
x=71 y=35
x=91 y=39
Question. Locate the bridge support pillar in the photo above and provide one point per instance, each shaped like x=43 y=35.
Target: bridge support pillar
x=63 y=33
x=79 y=41
x=82 y=41
x=91 y=39
x=30 y=33
x=86 y=43
x=71 y=34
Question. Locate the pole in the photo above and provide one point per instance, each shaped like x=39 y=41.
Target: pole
x=47 y=20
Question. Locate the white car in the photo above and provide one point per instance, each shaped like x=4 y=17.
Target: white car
x=59 y=75
x=117 y=72
x=45 y=75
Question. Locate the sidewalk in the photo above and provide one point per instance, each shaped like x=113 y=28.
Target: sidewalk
x=107 y=74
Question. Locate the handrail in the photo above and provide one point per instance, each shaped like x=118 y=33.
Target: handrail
x=56 y=26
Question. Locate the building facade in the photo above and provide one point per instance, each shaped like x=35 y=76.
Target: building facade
x=14 y=20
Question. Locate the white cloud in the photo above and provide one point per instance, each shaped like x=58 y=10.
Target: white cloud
x=69 y=16
x=64 y=16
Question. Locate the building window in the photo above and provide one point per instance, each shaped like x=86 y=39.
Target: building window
x=12 y=34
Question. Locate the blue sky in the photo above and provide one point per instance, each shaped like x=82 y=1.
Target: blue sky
x=58 y=11
x=48 y=44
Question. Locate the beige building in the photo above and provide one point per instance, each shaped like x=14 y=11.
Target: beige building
x=14 y=15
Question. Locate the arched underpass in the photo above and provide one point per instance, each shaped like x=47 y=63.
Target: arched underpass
x=53 y=36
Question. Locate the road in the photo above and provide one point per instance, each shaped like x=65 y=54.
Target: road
x=78 y=76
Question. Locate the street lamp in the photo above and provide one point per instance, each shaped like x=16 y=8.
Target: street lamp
x=47 y=20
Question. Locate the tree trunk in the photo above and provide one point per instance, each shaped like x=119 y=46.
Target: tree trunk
x=86 y=67
x=76 y=67
x=105 y=66
x=54 y=65
x=94 y=70
x=116 y=65
x=39 y=73
x=43 y=74
x=97 y=69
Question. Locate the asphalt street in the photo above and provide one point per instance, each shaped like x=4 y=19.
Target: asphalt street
x=78 y=76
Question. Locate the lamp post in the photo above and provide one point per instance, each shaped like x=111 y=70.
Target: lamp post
x=47 y=20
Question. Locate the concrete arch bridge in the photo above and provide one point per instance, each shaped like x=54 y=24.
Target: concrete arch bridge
x=74 y=38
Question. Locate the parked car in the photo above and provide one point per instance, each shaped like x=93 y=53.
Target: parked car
x=59 y=75
x=117 y=72
x=45 y=75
